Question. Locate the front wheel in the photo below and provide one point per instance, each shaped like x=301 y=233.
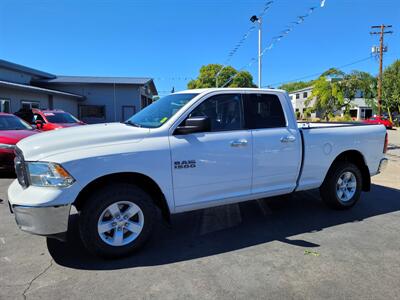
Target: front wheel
x=116 y=220
x=341 y=188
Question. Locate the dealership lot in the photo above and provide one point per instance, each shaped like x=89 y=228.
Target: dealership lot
x=286 y=247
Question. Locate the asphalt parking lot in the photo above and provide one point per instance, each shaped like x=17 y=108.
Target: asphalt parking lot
x=286 y=247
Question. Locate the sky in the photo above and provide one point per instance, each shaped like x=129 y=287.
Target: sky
x=169 y=40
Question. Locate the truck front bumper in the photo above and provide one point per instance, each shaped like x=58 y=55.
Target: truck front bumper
x=47 y=221
x=42 y=211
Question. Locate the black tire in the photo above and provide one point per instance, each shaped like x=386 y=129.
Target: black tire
x=328 y=188
x=98 y=202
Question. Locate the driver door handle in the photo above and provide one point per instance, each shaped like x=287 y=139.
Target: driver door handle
x=288 y=139
x=239 y=143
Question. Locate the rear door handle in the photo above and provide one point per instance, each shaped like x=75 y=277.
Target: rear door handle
x=239 y=143
x=288 y=139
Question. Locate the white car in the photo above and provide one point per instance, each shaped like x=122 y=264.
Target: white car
x=189 y=150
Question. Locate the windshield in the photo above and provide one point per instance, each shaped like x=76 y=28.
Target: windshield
x=159 y=112
x=61 y=117
x=13 y=123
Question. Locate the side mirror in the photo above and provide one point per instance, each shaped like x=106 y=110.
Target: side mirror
x=193 y=125
x=39 y=124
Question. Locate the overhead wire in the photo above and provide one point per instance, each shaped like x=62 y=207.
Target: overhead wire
x=319 y=73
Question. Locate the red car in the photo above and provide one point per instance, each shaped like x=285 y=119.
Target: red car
x=12 y=130
x=49 y=119
x=379 y=120
x=54 y=119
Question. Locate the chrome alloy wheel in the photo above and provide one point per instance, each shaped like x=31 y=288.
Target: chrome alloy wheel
x=120 y=223
x=346 y=186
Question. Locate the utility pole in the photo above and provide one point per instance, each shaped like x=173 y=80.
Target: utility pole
x=259 y=21
x=382 y=49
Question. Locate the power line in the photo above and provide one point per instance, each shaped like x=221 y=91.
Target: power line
x=319 y=73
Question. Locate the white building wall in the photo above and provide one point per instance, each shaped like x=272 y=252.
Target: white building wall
x=299 y=104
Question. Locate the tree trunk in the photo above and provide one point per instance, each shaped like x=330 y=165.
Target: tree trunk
x=390 y=115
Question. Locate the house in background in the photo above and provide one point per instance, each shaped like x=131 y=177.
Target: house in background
x=91 y=99
x=359 y=110
x=298 y=99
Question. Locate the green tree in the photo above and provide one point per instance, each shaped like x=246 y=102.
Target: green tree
x=391 y=88
x=297 y=85
x=335 y=90
x=358 y=82
x=227 y=77
x=328 y=94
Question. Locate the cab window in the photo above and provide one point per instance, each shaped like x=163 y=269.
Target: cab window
x=264 y=111
x=224 y=111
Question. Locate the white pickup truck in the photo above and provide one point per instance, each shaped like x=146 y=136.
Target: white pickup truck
x=189 y=150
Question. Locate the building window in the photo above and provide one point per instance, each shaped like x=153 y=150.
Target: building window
x=305 y=95
x=27 y=104
x=145 y=101
x=297 y=96
x=5 y=106
x=297 y=110
x=92 y=112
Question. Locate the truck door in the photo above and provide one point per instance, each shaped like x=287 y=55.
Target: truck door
x=216 y=165
x=276 y=144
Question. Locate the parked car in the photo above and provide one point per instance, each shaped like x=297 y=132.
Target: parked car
x=12 y=130
x=379 y=120
x=396 y=119
x=49 y=119
x=189 y=150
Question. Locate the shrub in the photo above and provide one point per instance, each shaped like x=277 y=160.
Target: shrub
x=345 y=118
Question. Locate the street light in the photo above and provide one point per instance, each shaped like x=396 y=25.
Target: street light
x=255 y=19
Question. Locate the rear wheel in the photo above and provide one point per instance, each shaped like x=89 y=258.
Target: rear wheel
x=116 y=220
x=342 y=186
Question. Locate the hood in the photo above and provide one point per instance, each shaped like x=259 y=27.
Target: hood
x=78 y=138
x=12 y=137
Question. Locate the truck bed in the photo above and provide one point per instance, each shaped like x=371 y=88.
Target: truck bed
x=322 y=142
x=310 y=125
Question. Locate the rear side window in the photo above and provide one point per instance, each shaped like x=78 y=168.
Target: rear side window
x=264 y=111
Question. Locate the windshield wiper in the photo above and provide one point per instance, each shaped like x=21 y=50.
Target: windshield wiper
x=133 y=124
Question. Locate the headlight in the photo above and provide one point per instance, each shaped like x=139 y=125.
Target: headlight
x=48 y=174
x=7 y=146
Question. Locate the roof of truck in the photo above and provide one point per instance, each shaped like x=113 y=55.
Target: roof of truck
x=207 y=90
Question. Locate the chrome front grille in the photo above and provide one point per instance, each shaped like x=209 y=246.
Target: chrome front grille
x=20 y=168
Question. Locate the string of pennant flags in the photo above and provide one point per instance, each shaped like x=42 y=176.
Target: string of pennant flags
x=179 y=78
x=237 y=46
x=247 y=34
x=276 y=39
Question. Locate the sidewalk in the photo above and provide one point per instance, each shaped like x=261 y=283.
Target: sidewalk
x=394 y=144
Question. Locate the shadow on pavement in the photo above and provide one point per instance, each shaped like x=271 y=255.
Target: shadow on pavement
x=185 y=240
